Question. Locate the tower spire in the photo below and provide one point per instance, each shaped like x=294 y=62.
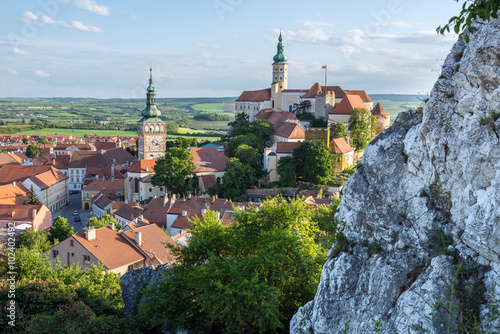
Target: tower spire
x=151 y=109
x=280 y=57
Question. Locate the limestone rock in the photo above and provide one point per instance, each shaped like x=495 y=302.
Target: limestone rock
x=433 y=175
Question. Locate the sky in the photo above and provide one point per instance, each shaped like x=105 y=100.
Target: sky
x=217 y=48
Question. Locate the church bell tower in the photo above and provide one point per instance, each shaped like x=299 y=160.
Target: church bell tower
x=151 y=129
x=280 y=75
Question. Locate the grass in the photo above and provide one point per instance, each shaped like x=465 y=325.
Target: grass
x=218 y=125
x=208 y=107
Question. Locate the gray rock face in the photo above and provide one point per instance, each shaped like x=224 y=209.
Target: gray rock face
x=133 y=284
x=429 y=182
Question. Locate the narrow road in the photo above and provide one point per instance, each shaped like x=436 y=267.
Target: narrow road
x=75 y=201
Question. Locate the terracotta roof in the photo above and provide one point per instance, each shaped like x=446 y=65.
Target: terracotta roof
x=79 y=147
x=13 y=194
x=348 y=104
x=153 y=242
x=117 y=205
x=255 y=95
x=104 y=145
x=120 y=155
x=10 y=173
x=340 y=146
x=19 y=157
x=85 y=159
x=105 y=172
x=316 y=88
x=198 y=203
x=61 y=161
x=102 y=202
x=99 y=184
x=285 y=123
x=155 y=212
x=295 y=90
x=18 y=212
x=287 y=147
x=378 y=110
x=208 y=181
x=140 y=166
x=129 y=211
x=8 y=158
x=183 y=222
x=208 y=159
x=110 y=248
x=49 y=178
x=361 y=93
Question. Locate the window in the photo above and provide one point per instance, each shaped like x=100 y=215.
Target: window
x=72 y=180
x=55 y=253
x=161 y=189
x=87 y=195
x=72 y=243
x=150 y=189
x=86 y=259
x=72 y=254
x=338 y=159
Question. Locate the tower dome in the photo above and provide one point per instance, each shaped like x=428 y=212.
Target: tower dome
x=151 y=109
x=280 y=57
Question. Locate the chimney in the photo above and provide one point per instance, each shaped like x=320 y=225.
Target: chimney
x=111 y=226
x=213 y=199
x=189 y=196
x=165 y=201
x=147 y=168
x=126 y=201
x=203 y=211
x=14 y=183
x=138 y=238
x=141 y=217
x=54 y=162
x=33 y=213
x=184 y=213
x=113 y=171
x=90 y=234
x=172 y=200
x=102 y=151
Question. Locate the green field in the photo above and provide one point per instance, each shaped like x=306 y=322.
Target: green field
x=208 y=107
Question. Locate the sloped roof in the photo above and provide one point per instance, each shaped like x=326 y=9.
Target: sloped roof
x=18 y=212
x=285 y=123
x=10 y=173
x=316 y=88
x=378 y=110
x=82 y=159
x=183 y=222
x=141 y=165
x=208 y=159
x=348 y=104
x=49 y=178
x=102 y=202
x=361 y=93
x=99 y=184
x=153 y=242
x=129 y=211
x=80 y=147
x=155 y=212
x=61 y=161
x=13 y=194
x=255 y=95
x=208 y=181
x=106 y=145
x=120 y=155
x=110 y=248
x=284 y=147
x=340 y=146
x=19 y=157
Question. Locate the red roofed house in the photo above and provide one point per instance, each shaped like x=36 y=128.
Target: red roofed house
x=342 y=113
x=210 y=166
x=273 y=156
x=13 y=193
x=100 y=185
x=287 y=127
x=383 y=118
x=38 y=216
x=343 y=154
x=251 y=102
x=137 y=185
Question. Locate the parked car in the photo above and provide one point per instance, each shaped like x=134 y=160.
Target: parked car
x=75 y=213
x=77 y=219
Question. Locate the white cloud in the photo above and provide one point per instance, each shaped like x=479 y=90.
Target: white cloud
x=426 y=37
x=311 y=32
x=92 y=6
x=42 y=73
x=20 y=52
x=395 y=24
x=132 y=17
x=14 y=72
x=29 y=17
x=206 y=54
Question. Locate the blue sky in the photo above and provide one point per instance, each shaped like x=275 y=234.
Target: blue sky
x=197 y=48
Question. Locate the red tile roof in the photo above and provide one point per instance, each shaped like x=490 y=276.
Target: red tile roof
x=316 y=88
x=129 y=211
x=13 y=194
x=8 y=158
x=208 y=181
x=85 y=159
x=16 y=212
x=61 y=161
x=208 y=159
x=378 y=110
x=348 y=104
x=10 y=173
x=99 y=184
x=143 y=166
x=255 y=95
x=153 y=242
x=287 y=147
x=49 y=178
x=340 y=146
x=110 y=248
x=285 y=123
x=361 y=93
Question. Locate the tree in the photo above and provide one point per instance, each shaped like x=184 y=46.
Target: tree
x=477 y=9
x=96 y=223
x=25 y=140
x=239 y=120
x=175 y=171
x=286 y=171
x=262 y=129
x=237 y=179
x=247 y=277
x=32 y=197
x=248 y=139
x=338 y=130
x=360 y=126
x=35 y=240
x=42 y=140
x=313 y=162
x=60 y=230
x=32 y=151
x=250 y=156
x=300 y=109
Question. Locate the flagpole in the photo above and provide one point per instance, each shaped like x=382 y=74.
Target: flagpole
x=326 y=71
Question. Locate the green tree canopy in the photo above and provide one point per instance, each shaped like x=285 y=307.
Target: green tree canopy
x=32 y=151
x=103 y=222
x=35 y=240
x=248 y=139
x=175 y=171
x=32 y=197
x=42 y=140
x=360 y=125
x=60 y=230
x=286 y=171
x=248 y=277
x=25 y=140
x=260 y=128
x=313 y=162
x=237 y=179
x=250 y=156
x=338 y=130
x=471 y=11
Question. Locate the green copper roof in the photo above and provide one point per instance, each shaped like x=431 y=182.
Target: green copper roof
x=280 y=57
x=151 y=109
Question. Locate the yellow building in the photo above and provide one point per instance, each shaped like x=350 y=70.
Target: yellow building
x=343 y=154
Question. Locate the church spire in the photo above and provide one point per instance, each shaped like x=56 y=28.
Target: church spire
x=280 y=57
x=151 y=109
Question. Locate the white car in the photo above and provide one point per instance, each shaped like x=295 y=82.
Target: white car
x=75 y=213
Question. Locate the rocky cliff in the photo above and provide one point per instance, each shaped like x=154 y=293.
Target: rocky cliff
x=422 y=213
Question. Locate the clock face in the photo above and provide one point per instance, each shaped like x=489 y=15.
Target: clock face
x=154 y=142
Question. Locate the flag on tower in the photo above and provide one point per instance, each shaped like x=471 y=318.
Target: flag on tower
x=323 y=67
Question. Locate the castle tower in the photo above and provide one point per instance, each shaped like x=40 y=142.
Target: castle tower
x=280 y=75
x=151 y=129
